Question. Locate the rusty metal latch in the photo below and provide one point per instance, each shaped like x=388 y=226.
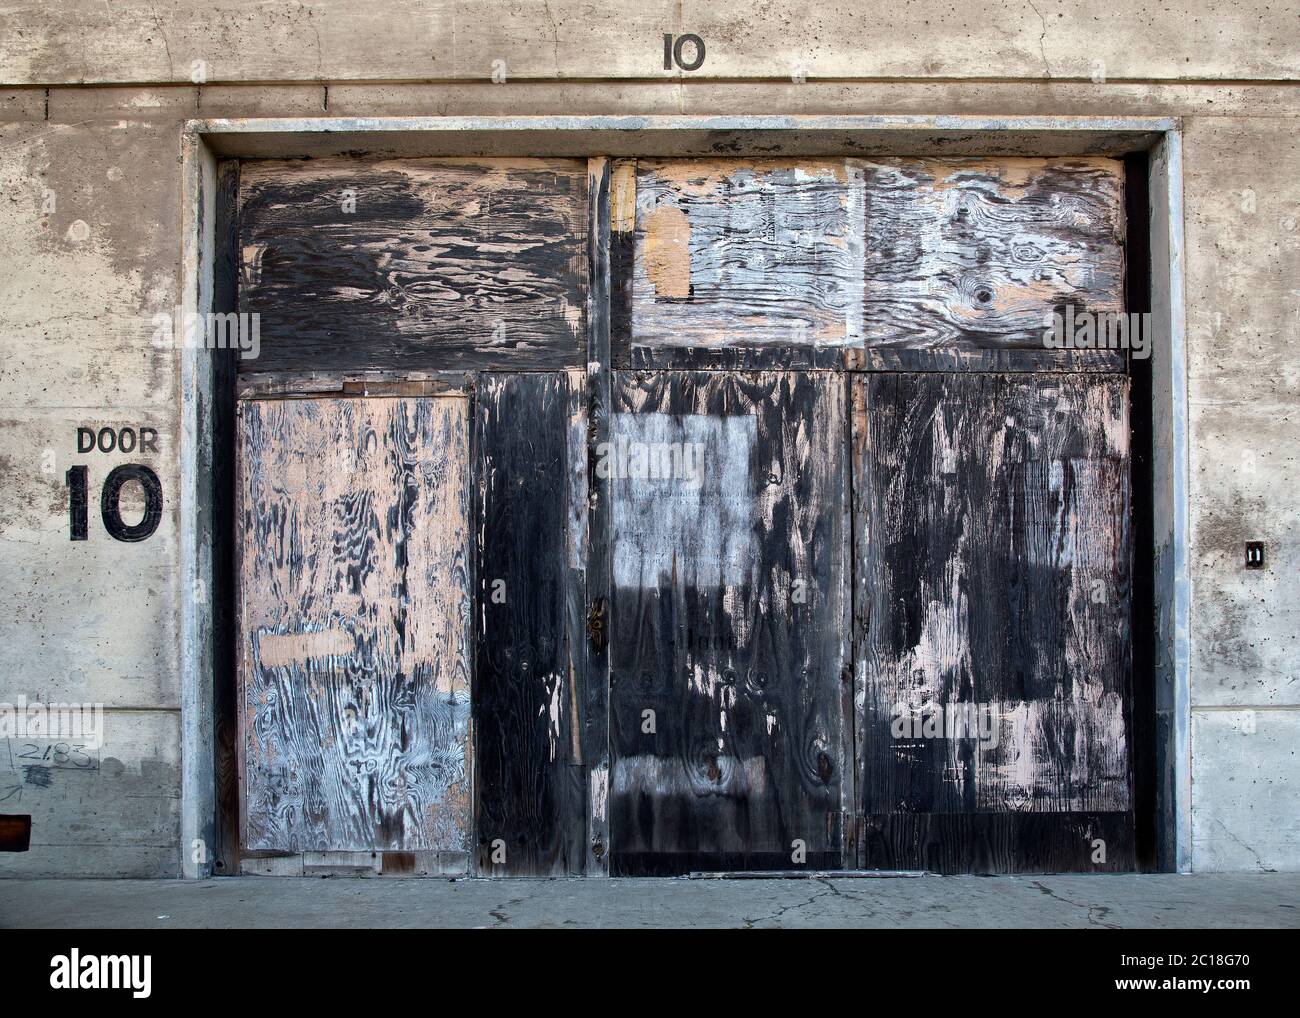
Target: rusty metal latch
x=596 y=625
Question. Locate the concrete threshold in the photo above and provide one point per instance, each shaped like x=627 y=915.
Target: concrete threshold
x=1226 y=900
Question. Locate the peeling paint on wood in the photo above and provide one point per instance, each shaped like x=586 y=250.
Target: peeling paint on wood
x=353 y=538
x=412 y=263
x=530 y=649
x=746 y=253
x=973 y=254
x=740 y=662
x=991 y=520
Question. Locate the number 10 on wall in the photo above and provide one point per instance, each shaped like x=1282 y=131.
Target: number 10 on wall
x=110 y=509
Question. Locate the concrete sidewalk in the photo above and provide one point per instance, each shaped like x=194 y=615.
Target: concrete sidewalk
x=1112 y=902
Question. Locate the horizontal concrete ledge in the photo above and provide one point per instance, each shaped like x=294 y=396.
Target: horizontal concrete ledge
x=661 y=136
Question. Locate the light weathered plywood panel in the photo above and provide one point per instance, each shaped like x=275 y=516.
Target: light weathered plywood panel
x=354 y=647
x=991 y=523
x=728 y=621
x=423 y=264
x=745 y=254
x=974 y=254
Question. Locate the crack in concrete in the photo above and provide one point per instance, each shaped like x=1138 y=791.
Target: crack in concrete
x=555 y=39
x=171 y=65
x=1093 y=920
x=1041 y=49
x=1259 y=862
x=500 y=914
x=781 y=912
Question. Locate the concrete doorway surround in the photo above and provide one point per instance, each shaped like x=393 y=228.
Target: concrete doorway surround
x=207 y=141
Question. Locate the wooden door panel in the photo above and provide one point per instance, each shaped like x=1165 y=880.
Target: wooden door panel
x=354 y=648
x=414 y=264
x=530 y=515
x=970 y=254
x=992 y=609
x=728 y=621
x=737 y=262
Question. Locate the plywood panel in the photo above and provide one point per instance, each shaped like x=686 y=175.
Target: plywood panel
x=991 y=528
x=530 y=465
x=422 y=264
x=728 y=620
x=973 y=254
x=751 y=254
x=354 y=611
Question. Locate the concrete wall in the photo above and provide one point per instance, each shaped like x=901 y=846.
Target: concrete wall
x=92 y=102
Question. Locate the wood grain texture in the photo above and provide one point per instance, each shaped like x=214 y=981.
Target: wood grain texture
x=441 y=264
x=987 y=843
x=729 y=620
x=746 y=254
x=993 y=563
x=221 y=414
x=973 y=254
x=528 y=626
x=609 y=191
x=354 y=652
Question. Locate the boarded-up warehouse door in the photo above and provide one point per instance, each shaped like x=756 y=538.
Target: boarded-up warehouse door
x=354 y=652
x=992 y=604
x=730 y=712
x=728 y=621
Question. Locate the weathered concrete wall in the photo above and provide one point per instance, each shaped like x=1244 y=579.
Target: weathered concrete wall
x=90 y=218
x=1242 y=182
x=85 y=41
x=99 y=620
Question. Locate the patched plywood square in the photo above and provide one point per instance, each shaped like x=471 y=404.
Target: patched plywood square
x=975 y=254
x=683 y=498
x=747 y=253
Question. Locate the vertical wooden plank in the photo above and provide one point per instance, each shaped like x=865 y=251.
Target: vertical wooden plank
x=225 y=710
x=993 y=572
x=354 y=608
x=729 y=621
x=595 y=741
x=531 y=804
x=622 y=258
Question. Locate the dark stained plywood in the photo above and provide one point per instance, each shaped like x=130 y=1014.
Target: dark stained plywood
x=530 y=471
x=973 y=254
x=999 y=842
x=744 y=254
x=439 y=265
x=728 y=620
x=992 y=574
x=610 y=190
x=354 y=651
